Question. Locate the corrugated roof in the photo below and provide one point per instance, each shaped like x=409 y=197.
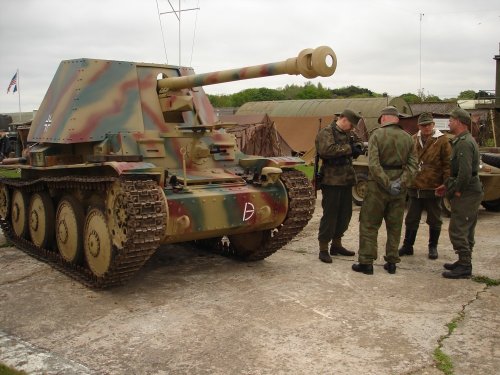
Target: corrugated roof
x=442 y=108
x=369 y=108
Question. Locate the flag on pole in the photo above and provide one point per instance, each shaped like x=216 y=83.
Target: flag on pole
x=13 y=82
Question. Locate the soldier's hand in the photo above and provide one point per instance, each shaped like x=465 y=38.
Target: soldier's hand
x=357 y=149
x=440 y=191
x=395 y=187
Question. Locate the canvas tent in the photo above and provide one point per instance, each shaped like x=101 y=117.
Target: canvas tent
x=298 y=121
x=256 y=135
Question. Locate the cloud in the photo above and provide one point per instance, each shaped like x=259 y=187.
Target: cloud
x=382 y=45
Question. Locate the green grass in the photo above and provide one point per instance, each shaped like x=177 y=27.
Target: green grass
x=308 y=170
x=486 y=280
x=10 y=173
x=5 y=370
x=443 y=362
x=5 y=244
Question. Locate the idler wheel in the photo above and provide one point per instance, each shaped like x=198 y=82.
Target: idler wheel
x=69 y=229
x=97 y=244
x=4 y=201
x=19 y=213
x=41 y=219
x=116 y=210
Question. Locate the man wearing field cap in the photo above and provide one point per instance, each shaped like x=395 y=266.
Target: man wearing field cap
x=433 y=152
x=465 y=192
x=337 y=145
x=392 y=165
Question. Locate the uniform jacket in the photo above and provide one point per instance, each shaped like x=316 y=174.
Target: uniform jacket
x=433 y=163
x=391 y=155
x=464 y=165
x=333 y=147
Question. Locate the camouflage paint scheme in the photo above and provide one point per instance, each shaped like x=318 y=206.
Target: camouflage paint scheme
x=118 y=119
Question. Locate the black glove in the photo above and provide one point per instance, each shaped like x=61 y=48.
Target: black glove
x=357 y=149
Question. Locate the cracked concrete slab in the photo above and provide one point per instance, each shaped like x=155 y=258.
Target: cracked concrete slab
x=189 y=311
x=477 y=336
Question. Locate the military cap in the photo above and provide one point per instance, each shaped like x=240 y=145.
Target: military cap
x=389 y=110
x=425 y=118
x=462 y=115
x=352 y=116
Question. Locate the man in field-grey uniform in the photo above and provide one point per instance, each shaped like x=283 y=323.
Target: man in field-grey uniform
x=465 y=192
x=337 y=146
x=392 y=166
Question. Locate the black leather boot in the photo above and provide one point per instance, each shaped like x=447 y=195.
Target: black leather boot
x=407 y=248
x=463 y=269
x=367 y=269
x=450 y=266
x=390 y=267
x=433 y=242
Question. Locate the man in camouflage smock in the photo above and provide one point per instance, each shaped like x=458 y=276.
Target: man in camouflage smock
x=465 y=192
x=392 y=165
x=337 y=146
x=433 y=151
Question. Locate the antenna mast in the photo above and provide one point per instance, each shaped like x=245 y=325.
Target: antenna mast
x=177 y=14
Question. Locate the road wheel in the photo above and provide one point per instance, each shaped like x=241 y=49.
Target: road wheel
x=69 y=229
x=41 y=220
x=446 y=207
x=19 y=213
x=359 y=190
x=97 y=245
x=493 y=205
x=246 y=246
x=491 y=159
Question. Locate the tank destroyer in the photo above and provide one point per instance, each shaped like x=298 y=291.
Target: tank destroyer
x=122 y=157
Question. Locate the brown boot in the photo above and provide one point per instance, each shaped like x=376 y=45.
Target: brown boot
x=325 y=257
x=323 y=252
x=338 y=249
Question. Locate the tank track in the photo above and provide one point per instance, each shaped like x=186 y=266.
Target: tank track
x=301 y=203
x=147 y=215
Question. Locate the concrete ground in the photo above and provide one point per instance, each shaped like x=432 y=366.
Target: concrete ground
x=191 y=312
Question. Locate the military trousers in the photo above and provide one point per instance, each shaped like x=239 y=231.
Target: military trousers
x=337 y=212
x=379 y=205
x=415 y=208
x=463 y=219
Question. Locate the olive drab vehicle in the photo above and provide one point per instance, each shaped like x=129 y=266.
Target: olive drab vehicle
x=122 y=157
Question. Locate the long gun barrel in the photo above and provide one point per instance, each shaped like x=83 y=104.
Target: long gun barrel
x=310 y=63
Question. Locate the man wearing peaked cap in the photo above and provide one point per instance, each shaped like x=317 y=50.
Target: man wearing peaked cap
x=433 y=152
x=465 y=192
x=392 y=165
x=337 y=145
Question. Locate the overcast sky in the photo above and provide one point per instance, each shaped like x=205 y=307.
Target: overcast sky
x=382 y=45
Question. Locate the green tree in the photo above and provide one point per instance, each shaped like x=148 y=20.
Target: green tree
x=220 y=101
x=352 y=91
x=467 y=94
x=313 y=92
x=256 y=95
x=432 y=98
x=411 y=98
